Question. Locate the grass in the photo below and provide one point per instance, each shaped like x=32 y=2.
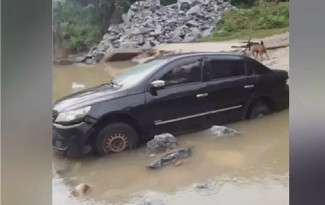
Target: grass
x=246 y=34
x=259 y=21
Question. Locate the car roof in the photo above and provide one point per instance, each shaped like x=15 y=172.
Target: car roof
x=229 y=56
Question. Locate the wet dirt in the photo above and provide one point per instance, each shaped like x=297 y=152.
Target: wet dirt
x=251 y=168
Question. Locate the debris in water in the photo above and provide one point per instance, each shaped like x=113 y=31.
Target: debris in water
x=151 y=203
x=80 y=190
x=201 y=186
x=222 y=131
x=162 y=142
x=76 y=87
x=171 y=157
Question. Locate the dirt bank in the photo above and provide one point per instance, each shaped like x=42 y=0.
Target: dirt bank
x=279 y=58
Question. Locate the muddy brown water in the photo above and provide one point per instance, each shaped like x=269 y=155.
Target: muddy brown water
x=251 y=168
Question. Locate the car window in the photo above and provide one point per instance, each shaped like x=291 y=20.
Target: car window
x=139 y=72
x=224 y=69
x=187 y=73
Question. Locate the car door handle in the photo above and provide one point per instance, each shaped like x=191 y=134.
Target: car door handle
x=202 y=95
x=249 y=86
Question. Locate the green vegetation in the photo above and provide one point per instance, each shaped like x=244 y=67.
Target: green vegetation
x=84 y=22
x=78 y=24
x=258 y=21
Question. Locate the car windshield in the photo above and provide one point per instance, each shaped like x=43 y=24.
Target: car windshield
x=139 y=72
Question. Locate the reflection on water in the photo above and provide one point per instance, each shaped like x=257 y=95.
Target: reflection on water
x=64 y=77
x=251 y=168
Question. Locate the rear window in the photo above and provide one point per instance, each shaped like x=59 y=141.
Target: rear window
x=254 y=67
x=224 y=69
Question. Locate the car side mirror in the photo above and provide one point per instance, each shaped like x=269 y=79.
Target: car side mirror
x=158 y=84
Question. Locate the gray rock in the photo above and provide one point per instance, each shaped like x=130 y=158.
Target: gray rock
x=154 y=43
x=192 y=36
x=99 y=56
x=184 y=4
x=128 y=45
x=171 y=157
x=194 y=10
x=134 y=7
x=162 y=142
x=150 y=203
x=126 y=19
x=81 y=59
x=192 y=23
x=206 y=33
x=202 y=186
x=203 y=2
x=222 y=131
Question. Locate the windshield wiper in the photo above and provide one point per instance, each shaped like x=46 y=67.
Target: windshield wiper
x=113 y=84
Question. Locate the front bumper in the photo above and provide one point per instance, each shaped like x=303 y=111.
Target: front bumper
x=71 y=140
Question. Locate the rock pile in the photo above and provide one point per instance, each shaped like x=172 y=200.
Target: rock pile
x=148 y=23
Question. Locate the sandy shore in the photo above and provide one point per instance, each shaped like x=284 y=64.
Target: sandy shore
x=279 y=58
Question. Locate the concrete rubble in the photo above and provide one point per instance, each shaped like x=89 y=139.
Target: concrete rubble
x=171 y=157
x=222 y=131
x=148 y=23
x=162 y=142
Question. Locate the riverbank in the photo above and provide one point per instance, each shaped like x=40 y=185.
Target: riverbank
x=279 y=58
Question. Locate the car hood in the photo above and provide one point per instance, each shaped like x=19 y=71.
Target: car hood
x=89 y=97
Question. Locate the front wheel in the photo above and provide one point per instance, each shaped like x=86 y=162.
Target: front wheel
x=259 y=110
x=114 y=138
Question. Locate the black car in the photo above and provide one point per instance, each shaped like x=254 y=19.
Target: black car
x=173 y=94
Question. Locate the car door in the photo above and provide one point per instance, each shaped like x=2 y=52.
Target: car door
x=229 y=88
x=176 y=107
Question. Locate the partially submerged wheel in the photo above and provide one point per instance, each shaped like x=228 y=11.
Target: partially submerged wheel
x=260 y=109
x=114 y=138
x=116 y=142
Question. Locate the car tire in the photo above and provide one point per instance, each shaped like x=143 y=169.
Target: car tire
x=114 y=138
x=260 y=109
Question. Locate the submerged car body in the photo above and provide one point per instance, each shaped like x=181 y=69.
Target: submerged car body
x=172 y=94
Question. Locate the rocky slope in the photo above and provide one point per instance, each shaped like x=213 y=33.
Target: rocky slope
x=148 y=23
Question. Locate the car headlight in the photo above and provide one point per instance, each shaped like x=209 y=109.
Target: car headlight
x=72 y=115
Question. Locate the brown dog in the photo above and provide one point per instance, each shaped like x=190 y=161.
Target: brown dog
x=259 y=50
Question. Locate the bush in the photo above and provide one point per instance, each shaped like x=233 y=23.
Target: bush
x=79 y=24
x=264 y=16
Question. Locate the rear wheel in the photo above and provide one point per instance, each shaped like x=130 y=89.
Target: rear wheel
x=114 y=138
x=260 y=109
